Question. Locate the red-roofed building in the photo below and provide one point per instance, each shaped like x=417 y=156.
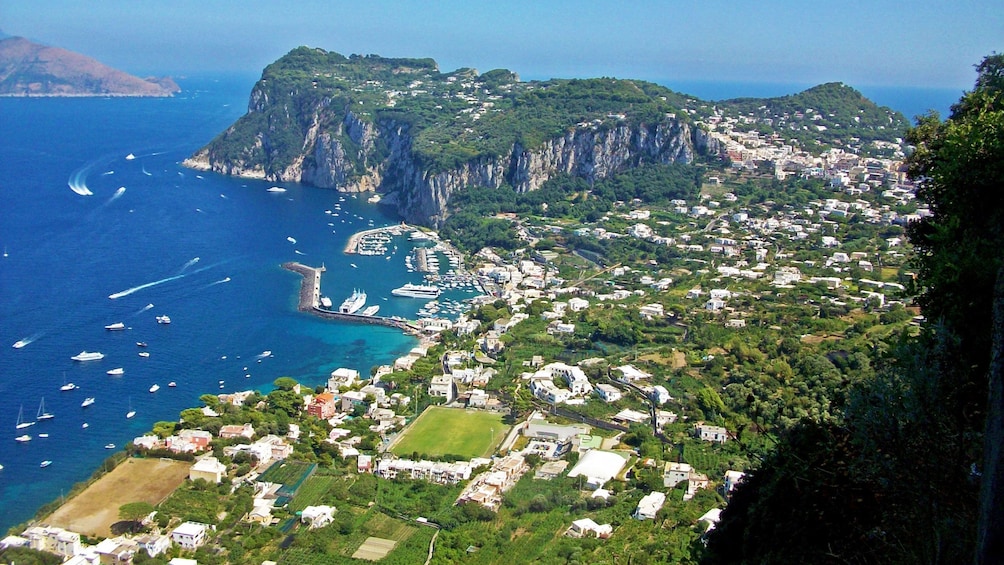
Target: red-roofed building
x=323 y=406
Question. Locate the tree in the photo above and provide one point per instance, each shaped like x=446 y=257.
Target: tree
x=134 y=512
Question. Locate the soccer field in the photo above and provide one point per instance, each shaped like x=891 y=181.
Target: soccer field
x=440 y=431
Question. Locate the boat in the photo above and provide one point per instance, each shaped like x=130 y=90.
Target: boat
x=43 y=435
x=291 y=239
x=21 y=424
x=417 y=291
x=172 y=384
x=325 y=302
x=88 y=356
x=163 y=319
x=131 y=412
x=42 y=413
x=45 y=463
x=353 y=303
x=115 y=327
x=371 y=310
x=20 y=343
x=144 y=353
x=85 y=425
x=140 y=344
x=67 y=386
x=109 y=446
x=130 y=157
x=23 y=439
x=116 y=371
x=155 y=388
x=266 y=353
x=276 y=189
x=87 y=402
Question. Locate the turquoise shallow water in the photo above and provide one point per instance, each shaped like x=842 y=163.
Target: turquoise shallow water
x=204 y=249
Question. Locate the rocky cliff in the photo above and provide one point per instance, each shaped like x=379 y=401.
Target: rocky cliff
x=405 y=130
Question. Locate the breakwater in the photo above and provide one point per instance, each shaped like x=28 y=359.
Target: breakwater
x=310 y=302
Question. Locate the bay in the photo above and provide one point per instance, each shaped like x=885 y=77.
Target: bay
x=203 y=249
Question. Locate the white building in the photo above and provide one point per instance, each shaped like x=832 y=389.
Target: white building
x=342 y=377
x=711 y=433
x=190 y=535
x=209 y=469
x=608 y=393
x=317 y=516
x=649 y=506
x=442 y=386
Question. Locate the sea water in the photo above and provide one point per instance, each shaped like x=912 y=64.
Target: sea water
x=201 y=248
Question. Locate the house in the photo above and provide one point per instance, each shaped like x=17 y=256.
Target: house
x=676 y=473
x=651 y=311
x=695 y=482
x=660 y=394
x=630 y=374
x=442 y=387
x=586 y=527
x=608 y=393
x=714 y=305
x=342 y=377
x=54 y=540
x=190 y=535
x=351 y=399
x=649 y=506
x=364 y=464
x=322 y=406
x=153 y=544
x=711 y=433
x=732 y=479
x=209 y=469
x=577 y=304
x=477 y=398
x=232 y=431
x=317 y=516
x=117 y=550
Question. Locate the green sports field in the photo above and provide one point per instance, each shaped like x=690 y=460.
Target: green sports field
x=440 y=431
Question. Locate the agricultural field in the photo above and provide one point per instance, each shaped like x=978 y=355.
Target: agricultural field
x=450 y=431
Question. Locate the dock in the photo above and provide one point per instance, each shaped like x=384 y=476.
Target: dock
x=310 y=302
x=353 y=244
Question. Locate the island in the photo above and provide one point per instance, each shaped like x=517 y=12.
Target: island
x=31 y=69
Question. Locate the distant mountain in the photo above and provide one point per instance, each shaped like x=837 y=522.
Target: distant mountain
x=32 y=69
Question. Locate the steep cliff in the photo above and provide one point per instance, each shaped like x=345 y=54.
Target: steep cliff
x=400 y=127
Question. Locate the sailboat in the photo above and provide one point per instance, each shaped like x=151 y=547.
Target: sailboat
x=21 y=424
x=42 y=414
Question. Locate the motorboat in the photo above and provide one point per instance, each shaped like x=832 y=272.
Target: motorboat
x=88 y=356
x=371 y=310
x=130 y=414
x=45 y=463
x=43 y=435
x=68 y=386
x=23 y=439
x=87 y=402
x=163 y=319
x=116 y=371
x=276 y=189
x=20 y=343
x=115 y=327
x=140 y=344
x=109 y=446
x=144 y=353
x=172 y=384
x=155 y=388
x=85 y=425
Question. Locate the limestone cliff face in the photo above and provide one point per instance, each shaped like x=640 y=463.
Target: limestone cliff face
x=345 y=152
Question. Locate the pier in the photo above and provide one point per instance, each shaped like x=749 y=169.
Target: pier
x=310 y=302
x=353 y=244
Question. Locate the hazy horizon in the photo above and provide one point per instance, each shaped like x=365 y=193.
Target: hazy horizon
x=932 y=44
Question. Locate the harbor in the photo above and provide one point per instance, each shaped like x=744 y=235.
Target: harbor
x=310 y=302
x=370 y=242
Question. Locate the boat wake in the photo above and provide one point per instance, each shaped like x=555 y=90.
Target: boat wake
x=25 y=341
x=118 y=194
x=146 y=172
x=189 y=264
x=106 y=173
x=78 y=182
x=298 y=252
x=134 y=289
x=144 y=309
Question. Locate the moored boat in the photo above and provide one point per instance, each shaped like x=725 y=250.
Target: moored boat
x=371 y=310
x=88 y=356
x=116 y=371
x=115 y=327
x=21 y=424
x=87 y=402
x=43 y=414
x=144 y=354
x=163 y=319
x=45 y=463
x=417 y=291
x=109 y=446
x=353 y=303
x=155 y=388
x=22 y=439
x=172 y=384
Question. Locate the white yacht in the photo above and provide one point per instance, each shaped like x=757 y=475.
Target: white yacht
x=115 y=327
x=88 y=356
x=165 y=319
x=353 y=303
x=417 y=291
x=87 y=402
x=116 y=371
x=155 y=388
x=21 y=424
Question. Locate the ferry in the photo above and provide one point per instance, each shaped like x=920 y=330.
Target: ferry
x=87 y=402
x=353 y=303
x=115 y=327
x=116 y=371
x=163 y=319
x=88 y=356
x=417 y=291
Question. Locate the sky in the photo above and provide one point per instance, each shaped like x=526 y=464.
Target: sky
x=921 y=43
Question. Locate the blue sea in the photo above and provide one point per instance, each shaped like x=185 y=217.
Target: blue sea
x=201 y=248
